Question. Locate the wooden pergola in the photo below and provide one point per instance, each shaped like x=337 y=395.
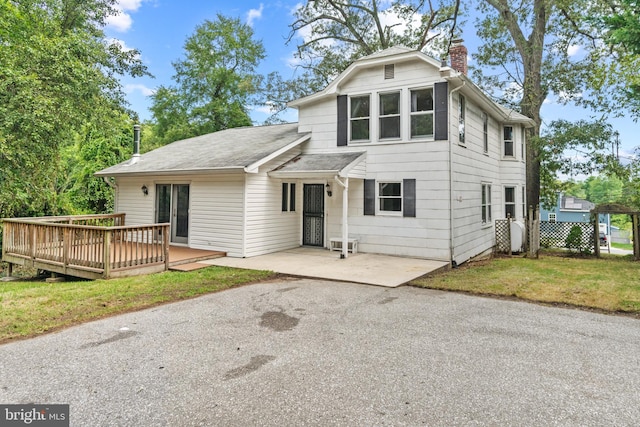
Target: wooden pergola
x=615 y=208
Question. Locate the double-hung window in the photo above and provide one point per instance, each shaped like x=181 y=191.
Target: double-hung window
x=360 y=113
x=508 y=141
x=486 y=203
x=510 y=202
x=390 y=197
x=421 y=113
x=389 y=115
x=485 y=132
x=462 y=107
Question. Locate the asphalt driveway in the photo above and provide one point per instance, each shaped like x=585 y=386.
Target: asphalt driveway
x=303 y=352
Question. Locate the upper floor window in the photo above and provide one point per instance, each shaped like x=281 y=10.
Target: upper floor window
x=421 y=113
x=508 y=141
x=360 y=113
x=485 y=132
x=510 y=202
x=390 y=115
x=462 y=107
x=486 y=203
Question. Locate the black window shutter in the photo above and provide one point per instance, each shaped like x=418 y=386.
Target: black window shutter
x=369 y=196
x=441 y=111
x=343 y=120
x=409 y=198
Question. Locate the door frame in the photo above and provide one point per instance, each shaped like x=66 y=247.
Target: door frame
x=173 y=199
x=322 y=184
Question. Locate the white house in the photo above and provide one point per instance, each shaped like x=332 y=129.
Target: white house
x=400 y=155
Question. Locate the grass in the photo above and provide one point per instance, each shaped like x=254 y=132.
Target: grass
x=33 y=308
x=627 y=246
x=608 y=284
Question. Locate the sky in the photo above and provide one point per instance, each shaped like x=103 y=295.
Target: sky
x=159 y=28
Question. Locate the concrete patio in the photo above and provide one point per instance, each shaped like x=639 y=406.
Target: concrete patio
x=370 y=269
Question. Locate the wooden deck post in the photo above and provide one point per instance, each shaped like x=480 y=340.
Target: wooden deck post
x=106 y=252
x=165 y=242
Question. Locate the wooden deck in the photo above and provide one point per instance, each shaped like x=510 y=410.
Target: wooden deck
x=93 y=246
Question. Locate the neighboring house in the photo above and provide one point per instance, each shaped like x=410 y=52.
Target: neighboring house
x=400 y=153
x=569 y=209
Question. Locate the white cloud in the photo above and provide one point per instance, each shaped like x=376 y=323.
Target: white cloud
x=573 y=50
x=131 y=5
x=130 y=88
x=122 y=21
x=254 y=14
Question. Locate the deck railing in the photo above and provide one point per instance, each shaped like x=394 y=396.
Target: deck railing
x=88 y=246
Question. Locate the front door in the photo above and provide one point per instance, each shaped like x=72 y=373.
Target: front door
x=313 y=215
x=173 y=207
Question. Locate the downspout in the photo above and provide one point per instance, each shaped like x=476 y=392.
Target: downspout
x=453 y=263
x=345 y=215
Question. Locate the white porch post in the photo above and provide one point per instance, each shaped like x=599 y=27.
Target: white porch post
x=345 y=216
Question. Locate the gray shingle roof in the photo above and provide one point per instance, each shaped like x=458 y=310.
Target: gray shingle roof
x=236 y=148
x=574 y=203
x=327 y=162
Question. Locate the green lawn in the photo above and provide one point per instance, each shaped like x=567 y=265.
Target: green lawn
x=611 y=283
x=32 y=308
x=627 y=246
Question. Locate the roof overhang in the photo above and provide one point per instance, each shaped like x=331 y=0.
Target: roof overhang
x=322 y=165
x=253 y=168
x=468 y=88
x=174 y=172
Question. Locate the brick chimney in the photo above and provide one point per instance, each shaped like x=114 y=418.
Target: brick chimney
x=458 y=56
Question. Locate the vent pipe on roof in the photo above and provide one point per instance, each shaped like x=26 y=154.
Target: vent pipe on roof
x=136 y=144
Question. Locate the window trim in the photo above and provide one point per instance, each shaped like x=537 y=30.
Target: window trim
x=485 y=132
x=512 y=203
x=419 y=113
x=378 y=199
x=288 y=200
x=505 y=140
x=462 y=108
x=386 y=116
x=352 y=119
x=485 y=204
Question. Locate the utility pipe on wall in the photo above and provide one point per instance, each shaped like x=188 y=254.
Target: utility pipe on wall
x=345 y=215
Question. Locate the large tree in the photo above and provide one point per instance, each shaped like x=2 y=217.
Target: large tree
x=529 y=52
x=214 y=82
x=575 y=148
x=56 y=73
